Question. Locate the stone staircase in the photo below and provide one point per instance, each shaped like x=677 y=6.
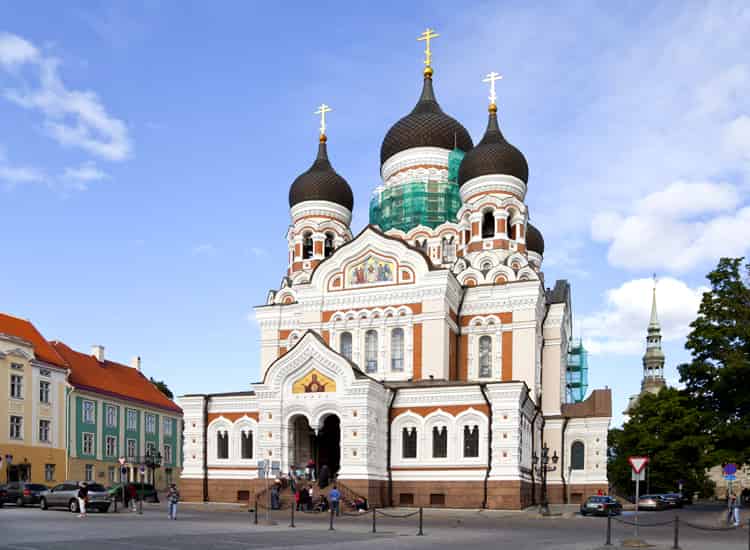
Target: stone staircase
x=287 y=497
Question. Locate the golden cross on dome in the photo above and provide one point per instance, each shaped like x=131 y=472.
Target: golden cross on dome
x=492 y=78
x=322 y=110
x=426 y=36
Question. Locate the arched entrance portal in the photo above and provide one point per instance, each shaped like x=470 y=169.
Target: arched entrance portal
x=323 y=447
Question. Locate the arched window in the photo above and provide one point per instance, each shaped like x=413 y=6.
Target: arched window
x=577 y=452
x=485 y=357
x=346 y=345
x=222 y=444
x=439 y=442
x=371 y=351
x=409 y=443
x=488 y=225
x=328 y=245
x=449 y=249
x=246 y=450
x=471 y=441
x=307 y=245
x=397 y=349
x=512 y=233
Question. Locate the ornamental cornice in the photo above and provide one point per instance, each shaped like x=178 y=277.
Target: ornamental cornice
x=323 y=209
x=429 y=156
x=497 y=183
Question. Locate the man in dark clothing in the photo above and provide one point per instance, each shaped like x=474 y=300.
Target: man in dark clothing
x=83 y=496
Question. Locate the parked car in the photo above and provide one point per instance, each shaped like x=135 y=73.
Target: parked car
x=601 y=506
x=652 y=502
x=673 y=500
x=146 y=491
x=65 y=495
x=23 y=493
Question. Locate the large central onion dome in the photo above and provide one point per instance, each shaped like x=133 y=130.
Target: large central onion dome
x=321 y=183
x=493 y=155
x=426 y=126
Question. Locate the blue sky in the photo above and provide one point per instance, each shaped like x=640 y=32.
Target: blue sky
x=146 y=151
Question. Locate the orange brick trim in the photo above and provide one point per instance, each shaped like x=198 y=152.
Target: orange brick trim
x=453 y=410
x=507 y=373
x=417 y=353
x=463 y=359
x=506 y=318
x=232 y=416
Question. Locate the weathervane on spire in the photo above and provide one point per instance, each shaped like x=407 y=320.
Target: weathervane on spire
x=492 y=78
x=322 y=110
x=425 y=37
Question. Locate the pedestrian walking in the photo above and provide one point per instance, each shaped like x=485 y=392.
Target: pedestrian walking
x=734 y=510
x=173 y=497
x=83 y=497
x=335 y=497
x=132 y=496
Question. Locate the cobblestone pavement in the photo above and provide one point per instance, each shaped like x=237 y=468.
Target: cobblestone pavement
x=228 y=528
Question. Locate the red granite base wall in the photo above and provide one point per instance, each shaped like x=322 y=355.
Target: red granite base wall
x=221 y=490
x=577 y=492
x=374 y=490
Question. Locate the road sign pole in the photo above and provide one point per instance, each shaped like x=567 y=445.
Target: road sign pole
x=637 y=497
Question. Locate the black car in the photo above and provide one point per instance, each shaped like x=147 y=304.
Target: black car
x=601 y=506
x=673 y=500
x=144 y=491
x=23 y=493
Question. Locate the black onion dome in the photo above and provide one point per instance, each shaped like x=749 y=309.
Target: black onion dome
x=321 y=183
x=493 y=155
x=426 y=126
x=534 y=240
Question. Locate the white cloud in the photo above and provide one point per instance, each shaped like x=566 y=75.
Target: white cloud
x=74 y=118
x=737 y=137
x=620 y=327
x=80 y=177
x=676 y=229
x=13 y=175
x=203 y=249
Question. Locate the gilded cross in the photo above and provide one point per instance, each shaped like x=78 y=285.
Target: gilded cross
x=426 y=36
x=492 y=78
x=322 y=110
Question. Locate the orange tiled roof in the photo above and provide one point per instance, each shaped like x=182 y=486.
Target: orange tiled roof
x=111 y=378
x=21 y=328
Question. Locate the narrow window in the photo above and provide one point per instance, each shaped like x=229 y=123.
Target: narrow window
x=222 y=445
x=488 y=225
x=346 y=345
x=511 y=229
x=49 y=472
x=43 y=391
x=167 y=454
x=577 y=451
x=307 y=245
x=371 y=351
x=16 y=386
x=471 y=442
x=439 y=442
x=449 y=249
x=247 y=444
x=131 y=448
x=89 y=472
x=328 y=245
x=16 y=427
x=44 y=435
x=397 y=349
x=485 y=357
x=409 y=443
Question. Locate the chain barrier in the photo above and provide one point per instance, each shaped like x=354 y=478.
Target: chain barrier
x=639 y=524
x=398 y=516
x=708 y=527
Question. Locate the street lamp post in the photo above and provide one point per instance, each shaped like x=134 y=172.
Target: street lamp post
x=543 y=468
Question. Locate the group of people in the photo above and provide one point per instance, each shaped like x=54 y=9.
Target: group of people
x=131 y=497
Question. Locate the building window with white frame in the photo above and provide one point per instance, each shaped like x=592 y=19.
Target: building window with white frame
x=167 y=427
x=247 y=445
x=131 y=420
x=485 y=356
x=167 y=458
x=577 y=456
x=16 y=427
x=16 y=386
x=150 y=448
x=49 y=472
x=44 y=431
x=397 y=350
x=150 y=423
x=89 y=472
x=471 y=441
x=88 y=412
x=110 y=446
x=371 y=351
x=222 y=445
x=409 y=443
x=130 y=448
x=346 y=345
x=439 y=442
x=111 y=474
x=110 y=415
x=88 y=443
x=44 y=387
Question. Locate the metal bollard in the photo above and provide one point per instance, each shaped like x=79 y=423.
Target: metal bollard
x=608 y=542
x=373 y=520
x=255 y=512
x=748 y=534
x=330 y=524
x=421 y=533
x=291 y=524
x=676 y=544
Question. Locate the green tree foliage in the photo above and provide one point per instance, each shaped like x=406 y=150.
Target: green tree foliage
x=163 y=388
x=718 y=377
x=668 y=429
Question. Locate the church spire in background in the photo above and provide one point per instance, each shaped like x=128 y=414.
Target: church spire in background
x=653 y=359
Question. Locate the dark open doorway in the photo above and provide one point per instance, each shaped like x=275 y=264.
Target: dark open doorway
x=323 y=448
x=329 y=444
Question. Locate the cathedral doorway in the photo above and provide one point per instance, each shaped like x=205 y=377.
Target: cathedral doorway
x=323 y=447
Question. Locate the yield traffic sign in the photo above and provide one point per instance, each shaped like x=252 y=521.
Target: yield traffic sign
x=121 y=460
x=638 y=463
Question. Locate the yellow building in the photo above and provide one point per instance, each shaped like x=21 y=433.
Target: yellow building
x=33 y=381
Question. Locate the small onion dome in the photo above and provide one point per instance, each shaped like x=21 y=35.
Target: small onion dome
x=493 y=155
x=426 y=126
x=321 y=183
x=534 y=240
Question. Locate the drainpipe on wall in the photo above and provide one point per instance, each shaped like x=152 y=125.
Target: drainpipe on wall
x=533 y=450
x=458 y=333
x=69 y=392
x=388 y=450
x=483 y=388
x=206 y=399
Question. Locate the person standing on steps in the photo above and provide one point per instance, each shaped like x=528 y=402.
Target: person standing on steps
x=311 y=470
x=335 y=497
x=83 y=496
x=173 y=497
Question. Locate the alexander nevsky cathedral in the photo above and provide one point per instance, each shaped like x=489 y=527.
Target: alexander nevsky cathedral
x=423 y=358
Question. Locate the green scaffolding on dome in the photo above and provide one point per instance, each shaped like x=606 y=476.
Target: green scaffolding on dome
x=577 y=372
x=408 y=205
